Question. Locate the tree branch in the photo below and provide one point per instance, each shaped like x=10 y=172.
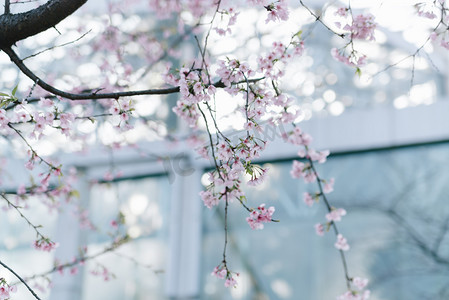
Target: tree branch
x=21 y=279
x=7 y=11
x=94 y=95
x=16 y=27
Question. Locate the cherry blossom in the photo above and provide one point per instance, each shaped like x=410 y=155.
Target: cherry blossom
x=350 y=295
x=359 y=283
x=335 y=215
x=209 y=199
x=259 y=216
x=319 y=229
x=341 y=243
x=255 y=82
x=328 y=186
x=222 y=272
x=45 y=244
x=308 y=199
x=362 y=27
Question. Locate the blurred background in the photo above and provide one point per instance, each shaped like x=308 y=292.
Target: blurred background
x=387 y=130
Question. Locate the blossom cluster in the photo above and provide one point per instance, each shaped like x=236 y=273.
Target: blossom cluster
x=358 y=291
x=232 y=14
x=426 y=12
x=194 y=88
x=259 y=216
x=225 y=182
x=45 y=244
x=280 y=53
x=359 y=27
x=222 y=272
x=6 y=289
x=362 y=27
x=103 y=272
x=352 y=59
x=277 y=10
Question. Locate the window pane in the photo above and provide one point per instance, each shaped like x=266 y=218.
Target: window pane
x=136 y=266
x=396 y=226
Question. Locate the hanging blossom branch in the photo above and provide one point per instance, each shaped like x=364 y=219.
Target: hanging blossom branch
x=233 y=159
x=34 y=154
x=82 y=258
x=307 y=171
x=12 y=288
x=42 y=242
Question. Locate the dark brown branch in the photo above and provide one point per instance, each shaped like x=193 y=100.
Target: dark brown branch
x=16 y=27
x=19 y=63
x=94 y=95
x=21 y=279
x=7 y=11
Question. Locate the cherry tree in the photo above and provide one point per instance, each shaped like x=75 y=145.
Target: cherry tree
x=174 y=56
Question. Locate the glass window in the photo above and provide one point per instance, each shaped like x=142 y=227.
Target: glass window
x=396 y=225
x=135 y=270
x=16 y=241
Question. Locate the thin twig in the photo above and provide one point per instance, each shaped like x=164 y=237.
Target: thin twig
x=17 y=208
x=225 y=228
x=334 y=226
x=10 y=125
x=318 y=18
x=81 y=259
x=57 y=46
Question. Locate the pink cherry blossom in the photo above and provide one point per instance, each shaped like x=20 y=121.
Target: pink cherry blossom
x=45 y=245
x=342 y=11
x=319 y=156
x=230 y=282
x=277 y=11
x=335 y=215
x=220 y=273
x=209 y=199
x=351 y=295
x=362 y=27
x=319 y=229
x=328 y=186
x=298 y=169
x=341 y=243
x=308 y=199
x=259 y=216
x=4 y=292
x=359 y=283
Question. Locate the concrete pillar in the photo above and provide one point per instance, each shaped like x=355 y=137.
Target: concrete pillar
x=183 y=269
x=70 y=237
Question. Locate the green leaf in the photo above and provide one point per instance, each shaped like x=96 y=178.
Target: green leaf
x=358 y=72
x=15 y=90
x=3 y=94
